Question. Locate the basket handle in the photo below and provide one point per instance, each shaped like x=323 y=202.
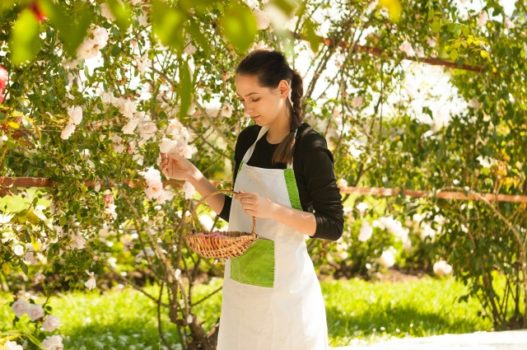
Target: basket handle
x=253 y=230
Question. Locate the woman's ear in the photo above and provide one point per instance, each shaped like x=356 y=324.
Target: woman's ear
x=283 y=88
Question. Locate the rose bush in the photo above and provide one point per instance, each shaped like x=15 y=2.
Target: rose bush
x=93 y=91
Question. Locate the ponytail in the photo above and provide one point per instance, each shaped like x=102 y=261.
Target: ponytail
x=284 y=151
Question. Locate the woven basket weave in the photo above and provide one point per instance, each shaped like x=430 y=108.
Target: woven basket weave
x=217 y=244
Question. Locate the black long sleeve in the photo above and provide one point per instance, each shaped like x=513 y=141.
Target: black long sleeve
x=313 y=167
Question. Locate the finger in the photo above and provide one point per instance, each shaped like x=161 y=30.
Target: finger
x=247 y=201
x=249 y=206
x=251 y=212
x=244 y=196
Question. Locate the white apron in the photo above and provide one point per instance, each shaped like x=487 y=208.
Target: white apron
x=271 y=295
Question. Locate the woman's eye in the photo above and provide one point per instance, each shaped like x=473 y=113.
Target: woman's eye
x=255 y=100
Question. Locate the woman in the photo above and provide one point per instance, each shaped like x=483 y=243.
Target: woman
x=283 y=177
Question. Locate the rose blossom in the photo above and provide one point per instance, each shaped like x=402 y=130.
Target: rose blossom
x=20 y=307
x=50 y=323
x=53 y=342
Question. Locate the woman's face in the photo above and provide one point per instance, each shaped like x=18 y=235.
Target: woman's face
x=261 y=104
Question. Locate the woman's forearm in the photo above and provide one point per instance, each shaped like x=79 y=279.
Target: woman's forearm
x=298 y=220
x=205 y=187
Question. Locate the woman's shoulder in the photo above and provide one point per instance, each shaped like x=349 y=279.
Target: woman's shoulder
x=245 y=139
x=309 y=139
x=249 y=133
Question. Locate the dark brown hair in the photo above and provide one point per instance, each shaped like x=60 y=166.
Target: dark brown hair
x=270 y=67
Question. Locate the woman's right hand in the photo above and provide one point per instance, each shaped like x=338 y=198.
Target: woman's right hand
x=177 y=167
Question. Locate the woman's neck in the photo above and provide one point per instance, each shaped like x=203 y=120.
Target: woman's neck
x=280 y=128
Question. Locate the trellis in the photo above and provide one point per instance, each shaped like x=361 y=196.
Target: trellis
x=6 y=183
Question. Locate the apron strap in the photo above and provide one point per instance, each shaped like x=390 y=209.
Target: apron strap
x=250 y=150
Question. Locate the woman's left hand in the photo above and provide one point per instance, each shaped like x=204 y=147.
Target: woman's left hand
x=255 y=205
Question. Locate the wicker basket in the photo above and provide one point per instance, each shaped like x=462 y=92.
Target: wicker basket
x=217 y=244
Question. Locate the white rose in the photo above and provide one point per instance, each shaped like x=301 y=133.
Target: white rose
x=167 y=145
x=154 y=191
x=165 y=196
x=387 y=258
x=442 y=268
x=53 y=342
x=35 y=311
x=482 y=19
x=67 y=131
x=78 y=241
x=362 y=207
x=366 y=231
x=18 y=250
x=142 y=63
x=75 y=114
x=143 y=19
x=20 y=307
x=147 y=130
x=407 y=48
x=29 y=258
x=5 y=218
x=90 y=283
x=130 y=127
x=11 y=345
x=93 y=43
x=119 y=148
x=431 y=42
x=152 y=176
x=107 y=98
x=100 y=37
x=128 y=108
x=427 y=231
x=50 y=323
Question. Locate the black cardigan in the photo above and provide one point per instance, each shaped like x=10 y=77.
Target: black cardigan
x=313 y=168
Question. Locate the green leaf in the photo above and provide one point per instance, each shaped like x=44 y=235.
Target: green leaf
x=199 y=6
x=72 y=26
x=25 y=41
x=239 y=26
x=311 y=35
x=24 y=268
x=167 y=24
x=436 y=25
x=185 y=88
x=122 y=13
x=198 y=37
x=394 y=9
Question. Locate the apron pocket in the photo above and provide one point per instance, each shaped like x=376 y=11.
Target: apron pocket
x=256 y=265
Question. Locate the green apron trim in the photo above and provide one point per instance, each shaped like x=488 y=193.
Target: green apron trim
x=256 y=265
x=292 y=189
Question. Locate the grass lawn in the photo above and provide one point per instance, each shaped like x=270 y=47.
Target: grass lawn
x=356 y=310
